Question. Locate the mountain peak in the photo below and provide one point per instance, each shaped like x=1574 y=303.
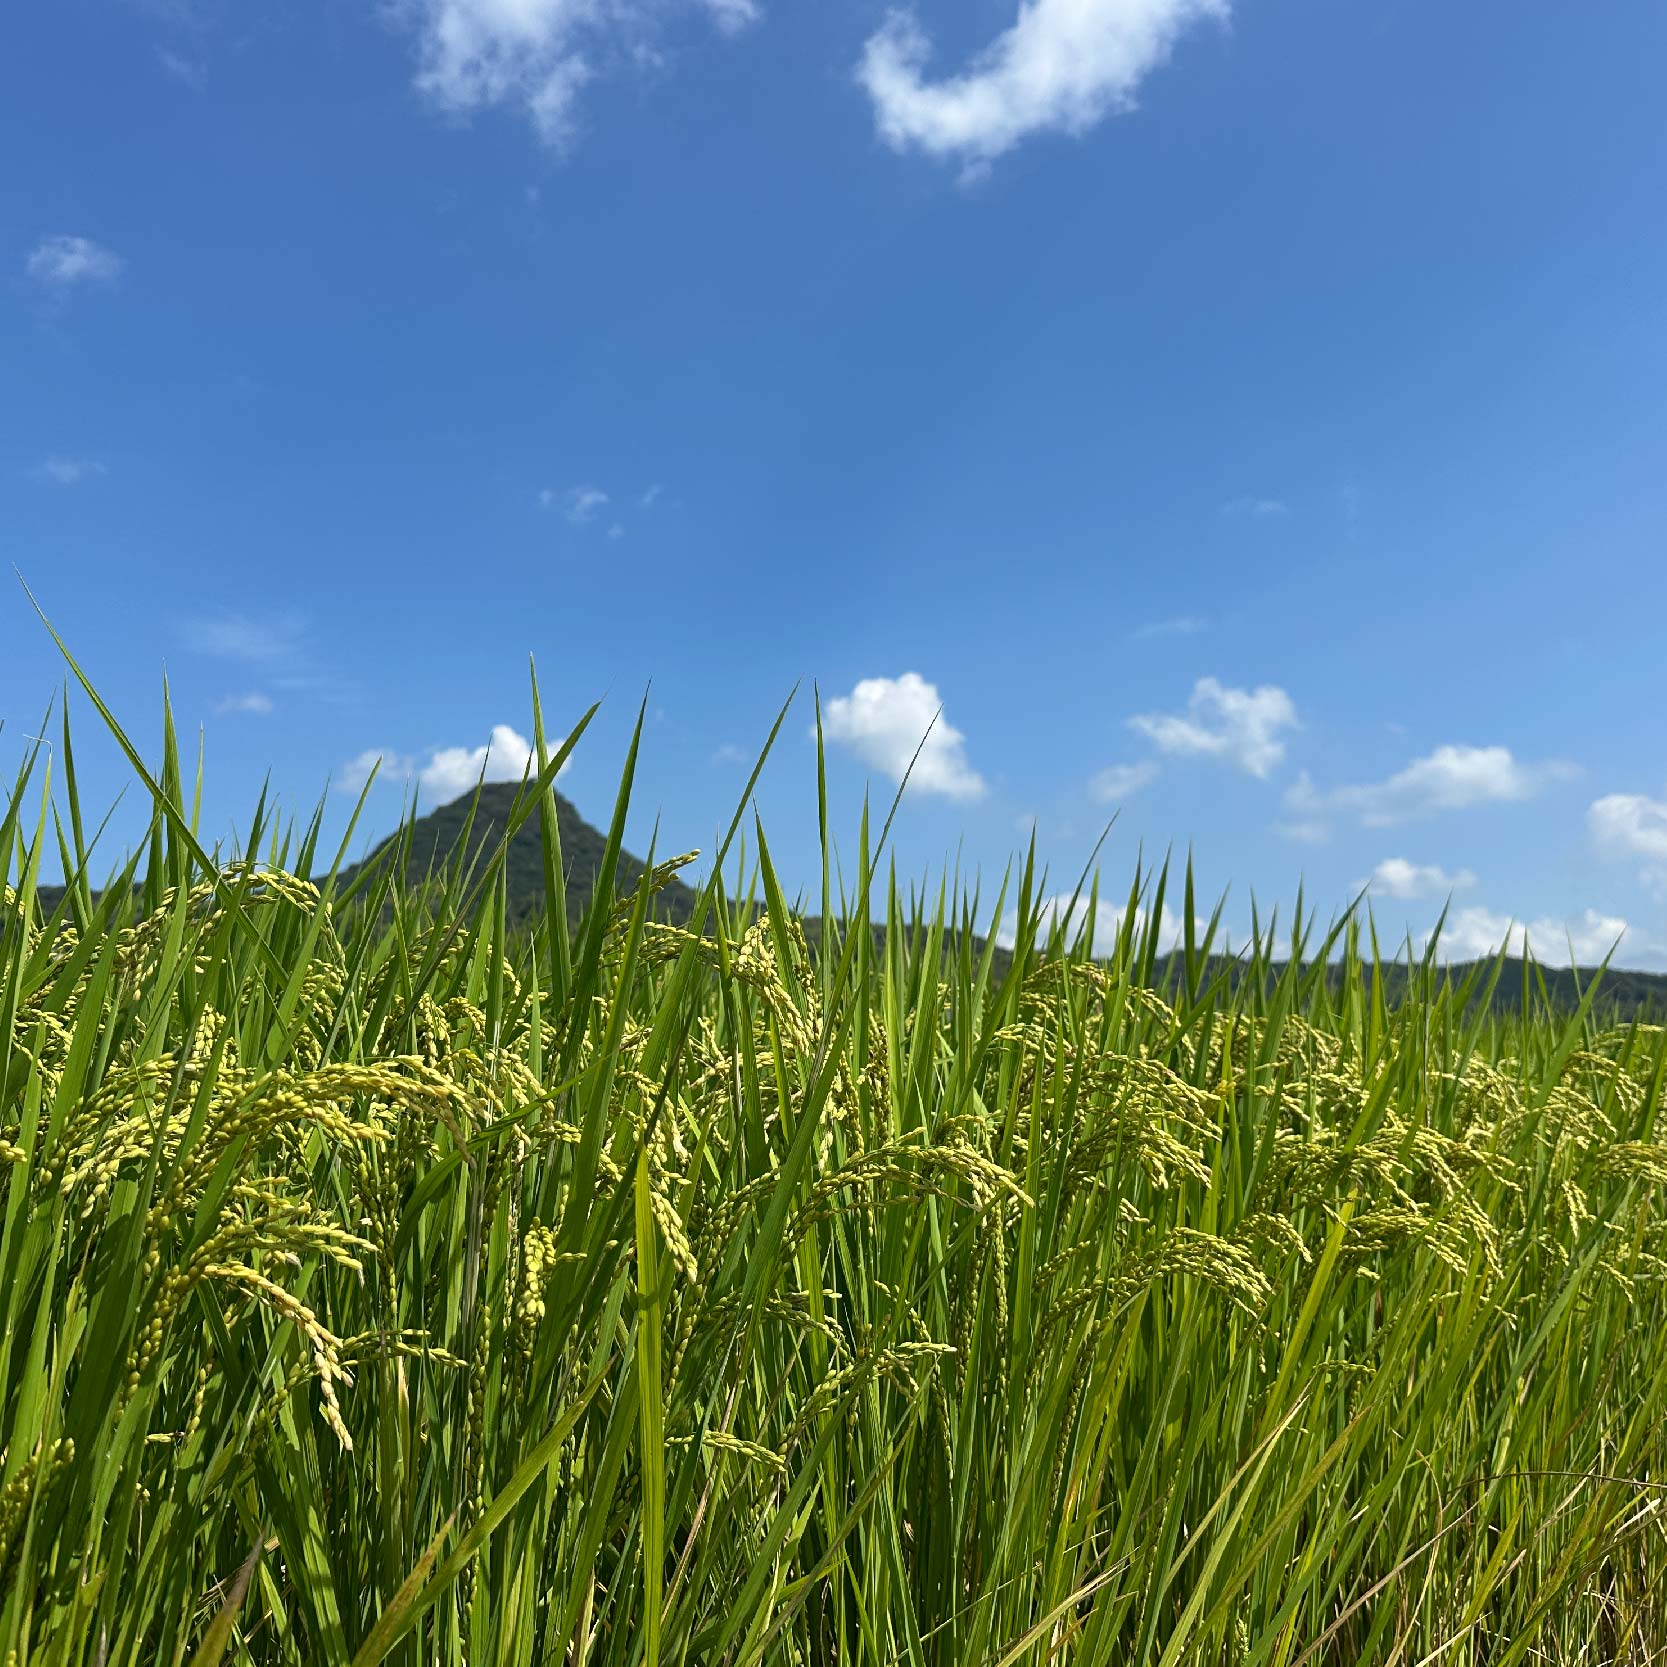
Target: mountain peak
x=438 y=836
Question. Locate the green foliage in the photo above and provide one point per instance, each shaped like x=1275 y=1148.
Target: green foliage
x=386 y=1275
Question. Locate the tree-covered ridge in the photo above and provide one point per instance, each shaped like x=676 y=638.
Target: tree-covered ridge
x=470 y=827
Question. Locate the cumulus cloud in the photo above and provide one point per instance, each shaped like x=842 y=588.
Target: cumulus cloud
x=884 y=719
x=387 y=766
x=1241 y=726
x=1450 y=778
x=68 y=471
x=254 y=704
x=1396 y=877
x=448 y=772
x=1118 y=781
x=452 y=771
x=1630 y=822
x=1063 y=67
x=1474 y=933
x=536 y=55
x=62 y=261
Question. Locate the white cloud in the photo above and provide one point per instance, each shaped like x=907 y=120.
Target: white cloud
x=1450 y=778
x=1239 y=725
x=69 y=471
x=1637 y=826
x=1255 y=506
x=535 y=55
x=1063 y=67
x=651 y=497
x=452 y=771
x=394 y=766
x=1396 y=877
x=1108 y=922
x=254 y=704
x=1630 y=822
x=884 y=719
x=62 y=261
x=580 y=503
x=729 y=753
x=1118 y=781
x=732 y=14
x=449 y=772
x=1474 y=933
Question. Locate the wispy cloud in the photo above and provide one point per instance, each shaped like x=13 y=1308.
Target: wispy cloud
x=650 y=497
x=254 y=704
x=1255 y=506
x=258 y=642
x=1449 y=778
x=536 y=56
x=275 y=648
x=1397 y=877
x=1474 y=933
x=1309 y=832
x=62 y=261
x=68 y=471
x=884 y=719
x=1183 y=625
x=1063 y=67
x=1240 y=726
x=578 y=503
x=1118 y=781
x=190 y=72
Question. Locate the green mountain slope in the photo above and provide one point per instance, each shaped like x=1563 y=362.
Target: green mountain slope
x=442 y=834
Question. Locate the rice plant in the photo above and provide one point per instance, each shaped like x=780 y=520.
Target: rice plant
x=382 y=1284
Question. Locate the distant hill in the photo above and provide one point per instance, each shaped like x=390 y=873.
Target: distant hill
x=1625 y=993
x=437 y=837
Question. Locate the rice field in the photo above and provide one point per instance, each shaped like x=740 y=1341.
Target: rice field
x=382 y=1285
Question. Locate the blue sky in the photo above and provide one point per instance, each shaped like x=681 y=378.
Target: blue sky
x=1245 y=417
